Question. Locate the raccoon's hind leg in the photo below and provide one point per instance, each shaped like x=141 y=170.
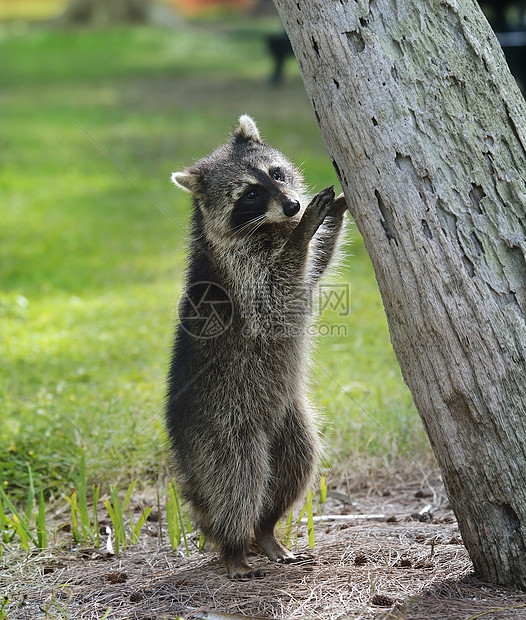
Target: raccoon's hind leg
x=233 y=548
x=294 y=453
x=228 y=482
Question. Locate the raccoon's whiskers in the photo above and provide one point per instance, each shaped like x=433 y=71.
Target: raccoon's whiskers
x=255 y=229
x=258 y=224
x=250 y=226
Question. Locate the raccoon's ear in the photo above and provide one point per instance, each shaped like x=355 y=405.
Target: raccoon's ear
x=247 y=129
x=187 y=180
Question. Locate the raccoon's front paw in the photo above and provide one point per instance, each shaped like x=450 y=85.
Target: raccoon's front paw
x=340 y=206
x=318 y=209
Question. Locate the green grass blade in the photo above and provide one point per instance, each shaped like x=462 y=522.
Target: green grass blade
x=18 y=520
x=4 y=524
x=298 y=524
x=318 y=505
x=4 y=602
x=72 y=501
x=30 y=495
x=310 y=519
x=172 y=518
x=127 y=497
x=95 y=517
x=136 y=529
x=169 y=523
x=120 y=515
x=22 y=532
x=181 y=519
x=10 y=531
x=323 y=490
x=85 y=522
x=41 y=522
x=186 y=516
x=110 y=510
x=117 y=518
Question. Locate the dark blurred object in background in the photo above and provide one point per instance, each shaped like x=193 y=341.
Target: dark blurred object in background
x=103 y=13
x=508 y=20
x=280 y=49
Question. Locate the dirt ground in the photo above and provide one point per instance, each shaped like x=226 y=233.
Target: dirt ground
x=392 y=552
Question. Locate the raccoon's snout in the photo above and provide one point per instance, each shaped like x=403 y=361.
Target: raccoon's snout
x=291 y=207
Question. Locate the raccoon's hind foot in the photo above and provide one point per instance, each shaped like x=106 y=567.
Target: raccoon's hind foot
x=245 y=573
x=276 y=552
x=239 y=569
x=272 y=548
x=303 y=558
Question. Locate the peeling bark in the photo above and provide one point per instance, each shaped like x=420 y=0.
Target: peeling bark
x=426 y=130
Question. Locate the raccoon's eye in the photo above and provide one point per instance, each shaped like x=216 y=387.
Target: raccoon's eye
x=251 y=194
x=277 y=174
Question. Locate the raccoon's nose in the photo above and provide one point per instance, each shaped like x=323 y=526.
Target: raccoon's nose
x=291 y=207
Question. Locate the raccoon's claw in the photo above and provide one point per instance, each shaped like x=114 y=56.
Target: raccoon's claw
x=239 y=569
x=317 y=210
x=302 y=558
x=252 y=574
x=323 y=202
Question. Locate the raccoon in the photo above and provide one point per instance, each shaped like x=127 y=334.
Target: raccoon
x=241 y=427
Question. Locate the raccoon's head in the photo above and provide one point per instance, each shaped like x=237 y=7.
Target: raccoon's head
x=244 y=184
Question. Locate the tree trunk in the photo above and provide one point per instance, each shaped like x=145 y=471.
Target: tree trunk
x=426 y=130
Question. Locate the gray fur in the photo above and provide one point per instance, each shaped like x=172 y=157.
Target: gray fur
x=242 y=429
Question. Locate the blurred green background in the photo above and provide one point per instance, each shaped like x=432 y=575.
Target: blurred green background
x=92 y=244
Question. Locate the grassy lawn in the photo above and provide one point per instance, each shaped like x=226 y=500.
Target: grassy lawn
x=92 y=257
